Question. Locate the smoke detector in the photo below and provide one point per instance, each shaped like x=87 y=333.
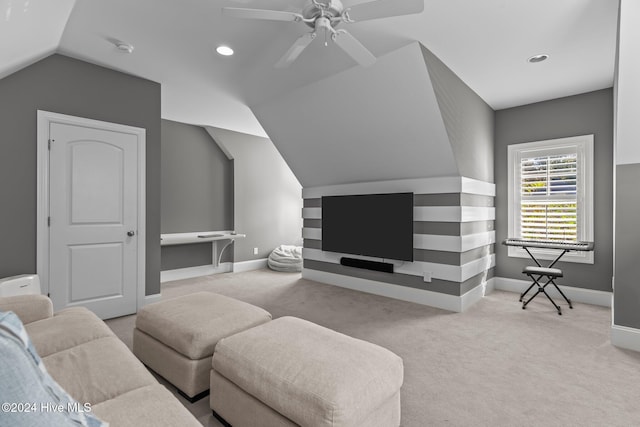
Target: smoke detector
x=124 y=47
x=538 y=58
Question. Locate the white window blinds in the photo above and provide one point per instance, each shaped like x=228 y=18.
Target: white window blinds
x=550 y=194
x=548 y=197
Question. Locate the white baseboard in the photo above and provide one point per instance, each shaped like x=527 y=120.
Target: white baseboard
x=586 y=296
x=254 y=264
x=189 y=272
x=625 y=337
x=149 y=299
x=475 y=295
x=205 y=270
x=490 y=286
x=404 y=293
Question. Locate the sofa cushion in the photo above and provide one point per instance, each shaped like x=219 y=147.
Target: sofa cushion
x=194 y=323
x=98 y=370
x=24 y=382
x=67 y=328
x=28 y=308
x=151 y=405
x=310 y=374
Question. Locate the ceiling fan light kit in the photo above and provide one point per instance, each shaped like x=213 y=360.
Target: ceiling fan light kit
x=325 y=16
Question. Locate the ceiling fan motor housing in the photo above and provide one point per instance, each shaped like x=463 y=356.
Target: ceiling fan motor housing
x=333 y=9
x=324 y=16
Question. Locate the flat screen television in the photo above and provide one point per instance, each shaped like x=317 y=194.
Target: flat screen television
x=375 y=225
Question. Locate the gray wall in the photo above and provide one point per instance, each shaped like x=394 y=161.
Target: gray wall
x=267 y=196
x=627 y=194
x=627 y=291
x=196 y=192
x=468 y=119
x=589 y=113
x=191 y=255
x=68 y=86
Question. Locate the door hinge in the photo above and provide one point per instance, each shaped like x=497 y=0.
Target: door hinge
x=49 y=143
x=48 y=221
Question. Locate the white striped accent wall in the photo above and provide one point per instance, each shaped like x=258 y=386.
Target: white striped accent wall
x=432 y=213
x=452 y=273
x=454 y=241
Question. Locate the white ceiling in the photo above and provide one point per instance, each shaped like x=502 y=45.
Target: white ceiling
x=30 y=30
x=485 y=42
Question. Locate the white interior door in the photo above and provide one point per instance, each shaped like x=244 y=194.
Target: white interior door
x=93 y=203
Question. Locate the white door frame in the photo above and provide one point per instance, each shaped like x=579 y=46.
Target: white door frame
x=45 y=118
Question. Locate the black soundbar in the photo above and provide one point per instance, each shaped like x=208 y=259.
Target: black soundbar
x=367 y=265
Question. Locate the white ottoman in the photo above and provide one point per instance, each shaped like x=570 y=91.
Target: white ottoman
x=176 y=338
x=292 y=372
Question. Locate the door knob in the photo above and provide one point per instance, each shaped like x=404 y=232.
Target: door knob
x=131 y=233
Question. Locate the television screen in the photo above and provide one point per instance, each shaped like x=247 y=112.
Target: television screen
x=375 y=225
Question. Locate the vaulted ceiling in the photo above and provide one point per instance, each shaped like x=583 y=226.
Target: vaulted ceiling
x=486 y=43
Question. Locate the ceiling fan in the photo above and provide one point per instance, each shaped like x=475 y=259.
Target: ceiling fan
x=325 y=15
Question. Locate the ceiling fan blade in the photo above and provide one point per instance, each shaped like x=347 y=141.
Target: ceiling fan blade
x=354 y=48
x=295 y=50
x=271 y=15
x=384 y=9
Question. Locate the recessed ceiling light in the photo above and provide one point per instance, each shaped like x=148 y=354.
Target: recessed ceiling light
x=538 y=58
x=224 y=50
x=124 y=47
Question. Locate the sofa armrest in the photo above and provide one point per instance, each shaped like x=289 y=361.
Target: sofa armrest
x=28 y=308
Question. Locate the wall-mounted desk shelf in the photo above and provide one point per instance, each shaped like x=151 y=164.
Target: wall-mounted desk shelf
x=203 y=237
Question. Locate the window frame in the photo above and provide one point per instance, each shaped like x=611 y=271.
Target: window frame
x=583 y=146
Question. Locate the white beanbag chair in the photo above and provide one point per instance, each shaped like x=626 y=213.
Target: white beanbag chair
x=286 y=258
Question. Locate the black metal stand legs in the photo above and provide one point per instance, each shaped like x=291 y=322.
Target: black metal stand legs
x=537 y=272
x=541 y=289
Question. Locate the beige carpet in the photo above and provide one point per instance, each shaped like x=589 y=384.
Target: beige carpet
x=494 y=365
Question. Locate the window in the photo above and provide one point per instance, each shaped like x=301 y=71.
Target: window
x=551 y=194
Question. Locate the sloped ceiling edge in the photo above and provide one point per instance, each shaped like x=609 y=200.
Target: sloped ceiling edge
x=364 y=124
